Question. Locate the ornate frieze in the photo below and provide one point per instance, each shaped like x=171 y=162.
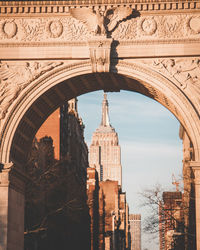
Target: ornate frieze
x=67 y=29
x=31 y=30
x=15 y=76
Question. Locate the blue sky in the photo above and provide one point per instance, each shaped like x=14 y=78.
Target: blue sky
x=151 y=150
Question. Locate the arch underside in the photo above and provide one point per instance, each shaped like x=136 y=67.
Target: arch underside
x=64 y=91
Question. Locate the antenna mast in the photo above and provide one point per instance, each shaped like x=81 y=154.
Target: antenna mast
x=175 y=182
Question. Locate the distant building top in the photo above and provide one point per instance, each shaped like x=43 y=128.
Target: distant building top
x=105 y=126
x=134 y=216
x=171 y=195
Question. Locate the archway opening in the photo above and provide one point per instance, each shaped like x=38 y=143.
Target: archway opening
x=45 y=97
x=54 y=97
x=151 y=149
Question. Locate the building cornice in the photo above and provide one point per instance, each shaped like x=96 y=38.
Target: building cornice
x=62 y=7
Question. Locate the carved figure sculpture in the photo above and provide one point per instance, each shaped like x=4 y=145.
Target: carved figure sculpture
x=99 y=22
x=15 y=77
x=182 y=70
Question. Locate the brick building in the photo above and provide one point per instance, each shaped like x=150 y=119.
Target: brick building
x=115 y=215
x=108 y=212
x=67 y=132
x=171 y=221
x=95 y=205
x=62 y=156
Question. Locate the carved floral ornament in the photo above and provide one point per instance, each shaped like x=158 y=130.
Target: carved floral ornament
x=84 y=23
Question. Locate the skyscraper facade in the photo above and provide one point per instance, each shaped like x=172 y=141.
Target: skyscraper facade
x=135 y=231
x=105 y=159
x=105 y=152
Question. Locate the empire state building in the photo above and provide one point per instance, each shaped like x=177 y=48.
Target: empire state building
x=105 y=152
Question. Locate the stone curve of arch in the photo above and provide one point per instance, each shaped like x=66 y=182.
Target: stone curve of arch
x=14 y=116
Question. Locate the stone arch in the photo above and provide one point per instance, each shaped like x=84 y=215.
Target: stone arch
x=47 y=92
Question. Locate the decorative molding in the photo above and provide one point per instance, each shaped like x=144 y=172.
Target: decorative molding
x=157 y=41
x=141 y=29
x=15 y=76
x=62 y=7
x=100 y=54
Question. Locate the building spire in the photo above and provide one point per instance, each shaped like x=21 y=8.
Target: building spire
x=105 y=117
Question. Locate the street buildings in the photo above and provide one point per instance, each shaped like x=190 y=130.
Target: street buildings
x=106 y=202
x=171 y=221
x=177 y=209
x=58 y=168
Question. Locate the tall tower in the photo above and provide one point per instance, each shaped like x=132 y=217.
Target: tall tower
x=105 y=152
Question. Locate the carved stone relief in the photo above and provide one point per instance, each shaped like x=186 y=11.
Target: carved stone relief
x=184 y=72
x=75 y=30
x=55 y=28
x=67 y=29
x=15 y=76
x=9 y=29
x=100 y=54
x=101 y=21
x=126 y=30
x=193 y=24
x=42 y=30
x=172 y=26
x=147 y=26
